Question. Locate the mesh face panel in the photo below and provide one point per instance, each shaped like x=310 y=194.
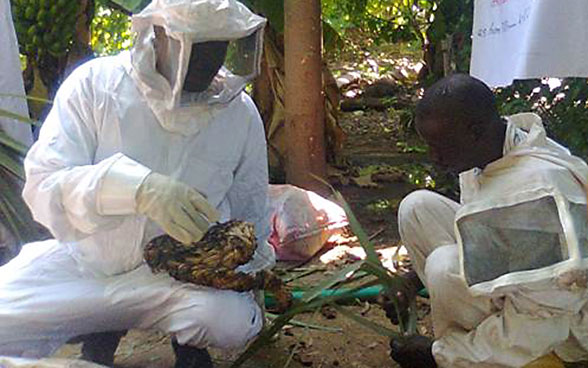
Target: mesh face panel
x=241 y=66
x=522 y=237
x=243 y=55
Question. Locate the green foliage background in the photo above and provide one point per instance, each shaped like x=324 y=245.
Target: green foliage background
x=564 y=109
x=111 y=31
x=387 y=20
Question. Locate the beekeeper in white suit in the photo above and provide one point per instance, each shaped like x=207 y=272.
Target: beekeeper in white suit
x=158 y=139
x=506 y=268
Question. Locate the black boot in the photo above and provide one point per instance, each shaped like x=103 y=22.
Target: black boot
x=413 y=352
x=100 y=347
x=191 y=357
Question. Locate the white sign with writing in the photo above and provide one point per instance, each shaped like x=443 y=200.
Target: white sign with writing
x=522 y=39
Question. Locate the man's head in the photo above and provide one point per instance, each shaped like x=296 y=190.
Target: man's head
x=458 y=120
x=209 y=47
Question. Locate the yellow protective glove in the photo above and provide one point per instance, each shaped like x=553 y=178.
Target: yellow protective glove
x=181 y=211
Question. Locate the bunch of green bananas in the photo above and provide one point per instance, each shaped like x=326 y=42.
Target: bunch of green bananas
x=45 y=26
x=212 y=261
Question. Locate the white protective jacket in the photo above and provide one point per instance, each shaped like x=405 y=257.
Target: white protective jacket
x=111 y=125
x=523 y=315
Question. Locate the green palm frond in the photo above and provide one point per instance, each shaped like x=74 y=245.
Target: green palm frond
x=11 y=144
x=28 y=98
x=17 y=117
x=14 y=213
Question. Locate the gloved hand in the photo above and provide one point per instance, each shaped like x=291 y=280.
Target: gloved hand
x=180 y=210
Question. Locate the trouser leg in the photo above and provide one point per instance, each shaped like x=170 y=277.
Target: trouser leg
x=425 y=222
x=200 y=317
x=46 y=301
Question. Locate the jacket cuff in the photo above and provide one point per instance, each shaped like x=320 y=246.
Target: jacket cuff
x=118 y=188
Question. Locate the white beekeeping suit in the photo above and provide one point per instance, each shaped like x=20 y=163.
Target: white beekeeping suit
x=507 y=268
x=115 y=123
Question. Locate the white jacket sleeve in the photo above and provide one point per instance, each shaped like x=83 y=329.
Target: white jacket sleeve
x=63 y=185
x=248 y=195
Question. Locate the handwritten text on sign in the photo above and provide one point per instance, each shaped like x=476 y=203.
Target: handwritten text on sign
x=505 y=25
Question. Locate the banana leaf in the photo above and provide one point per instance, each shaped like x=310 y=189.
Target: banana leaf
x=10 y=163
x=10 y=143
x=25 y=97
x=14 y=116
x=14 y=213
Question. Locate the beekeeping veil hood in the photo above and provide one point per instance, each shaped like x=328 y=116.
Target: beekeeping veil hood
x=527 y=220
x=187 y=22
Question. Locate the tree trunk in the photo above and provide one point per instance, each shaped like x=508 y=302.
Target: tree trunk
x=269 y=94
x=304 y=98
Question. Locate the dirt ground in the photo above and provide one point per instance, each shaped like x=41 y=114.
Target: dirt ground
x=338 y=341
